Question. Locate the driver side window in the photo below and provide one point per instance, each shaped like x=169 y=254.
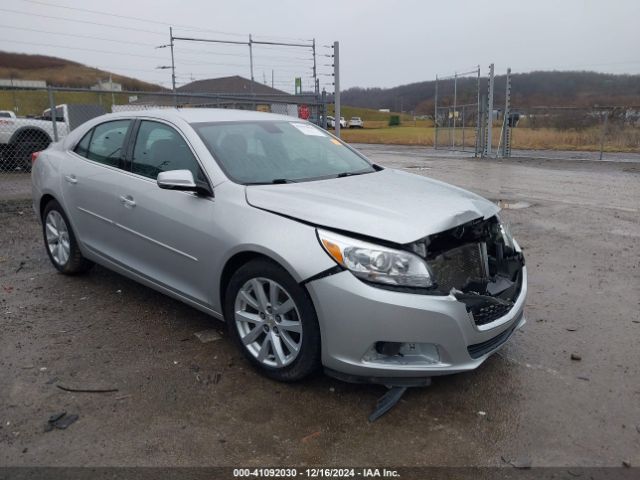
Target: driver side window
x=160 y=148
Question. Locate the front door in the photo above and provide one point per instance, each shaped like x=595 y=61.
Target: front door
x=167 y=233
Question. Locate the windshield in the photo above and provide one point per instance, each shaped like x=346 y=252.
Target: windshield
x=279 y=151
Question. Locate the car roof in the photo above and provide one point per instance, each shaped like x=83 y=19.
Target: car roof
x=201 y=115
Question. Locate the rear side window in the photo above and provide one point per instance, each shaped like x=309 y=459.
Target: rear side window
x=105 y=143
x=160 y=148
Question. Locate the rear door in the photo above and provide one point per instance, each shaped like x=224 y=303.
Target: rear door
x=167 y=233
x=92 y=172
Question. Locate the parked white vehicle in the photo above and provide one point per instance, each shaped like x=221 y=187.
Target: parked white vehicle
x=7 y=114
x=356 y=122
x=331 y=122
x=21 y=136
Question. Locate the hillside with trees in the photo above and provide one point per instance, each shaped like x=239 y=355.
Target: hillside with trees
x=552 y=88
x=61 y=72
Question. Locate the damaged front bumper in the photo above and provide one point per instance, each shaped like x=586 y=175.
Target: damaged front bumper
x=437 y=334
x=382 y=334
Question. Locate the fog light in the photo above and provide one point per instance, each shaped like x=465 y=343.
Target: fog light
x=388 y=348
x=403 y=353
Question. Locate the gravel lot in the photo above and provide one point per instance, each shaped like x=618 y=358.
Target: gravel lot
x=184 y=402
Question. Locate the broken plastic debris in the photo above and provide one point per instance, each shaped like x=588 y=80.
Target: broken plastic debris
x=482 y=413
x=60 y=420
x=206 y=336
x=387 y=402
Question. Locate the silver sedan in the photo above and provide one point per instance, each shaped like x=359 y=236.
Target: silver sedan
x=312 y=254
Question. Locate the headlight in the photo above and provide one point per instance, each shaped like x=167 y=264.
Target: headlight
x=376 y=263
x=505 y=232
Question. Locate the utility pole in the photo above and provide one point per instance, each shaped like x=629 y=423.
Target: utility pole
x=173 y=69
x=251 y=58
x=315 y=74
x=272 y=78
x=324 y=109
x=604 y=132
x=336 y=83
x=113 y=98
x=435 y=117
x=455 y=109
x=478 y=121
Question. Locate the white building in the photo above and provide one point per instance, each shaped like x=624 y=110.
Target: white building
x=13 y=82
x=107 y=85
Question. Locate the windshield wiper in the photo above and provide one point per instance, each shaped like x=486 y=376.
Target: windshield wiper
x=350 y=174
x=275 y=181
x=282 y=180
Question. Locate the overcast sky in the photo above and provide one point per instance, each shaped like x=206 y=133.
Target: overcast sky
x=383 y=43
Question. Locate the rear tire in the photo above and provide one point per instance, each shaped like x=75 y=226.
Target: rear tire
x=273 y=321
x=60 y=241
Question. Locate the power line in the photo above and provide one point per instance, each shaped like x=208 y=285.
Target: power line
x=156 y=22
x=139 y=19
x=148 y=70
x=78 y=36
x=213 y=52
x=76 y=48
x=271 y=66
x=110 y=25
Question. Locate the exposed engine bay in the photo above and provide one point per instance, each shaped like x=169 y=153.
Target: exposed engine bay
x=477 y=262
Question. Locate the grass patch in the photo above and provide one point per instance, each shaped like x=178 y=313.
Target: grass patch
x=402 y=135
x=34 y=102
x=618 y=139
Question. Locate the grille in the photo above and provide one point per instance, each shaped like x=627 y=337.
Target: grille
x=456 y=267
x=487 y=313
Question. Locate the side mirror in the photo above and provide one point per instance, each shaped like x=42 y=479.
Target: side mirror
x=182 y=180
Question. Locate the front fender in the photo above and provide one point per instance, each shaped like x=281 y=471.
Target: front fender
x=245 y=229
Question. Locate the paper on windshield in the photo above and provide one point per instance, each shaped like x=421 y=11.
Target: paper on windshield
x=308 y=129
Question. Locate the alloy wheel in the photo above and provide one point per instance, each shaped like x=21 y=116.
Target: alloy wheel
x=57 y=234
x=268 y=322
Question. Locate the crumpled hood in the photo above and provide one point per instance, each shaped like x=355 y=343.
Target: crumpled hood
x=390 y=205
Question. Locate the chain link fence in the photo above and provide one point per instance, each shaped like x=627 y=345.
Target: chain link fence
x=457 y=128
x=30 y=119
x=601 y=130
x=457 y=112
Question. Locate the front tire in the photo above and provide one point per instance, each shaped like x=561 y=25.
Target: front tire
x=60 y=241
x=273 y=321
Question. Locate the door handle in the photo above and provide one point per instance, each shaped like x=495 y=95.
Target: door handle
x=128 y=201
x=71 y=179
